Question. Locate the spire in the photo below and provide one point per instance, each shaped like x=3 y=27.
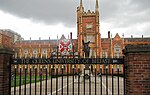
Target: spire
x=81 y=6
x=81 y=3
x=96 y=6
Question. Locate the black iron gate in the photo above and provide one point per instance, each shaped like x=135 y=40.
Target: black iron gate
x=67 y=76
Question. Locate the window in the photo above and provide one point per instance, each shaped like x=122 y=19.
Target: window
x=117 y=51
x=54 y=52
x=91 y=38
x=25 y=53
x=104 y=54
x=35 y=53
x=44 y=53
x=88 y=26
x=116 y=55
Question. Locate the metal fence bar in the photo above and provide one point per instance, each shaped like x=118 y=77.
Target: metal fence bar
x=73 y=81
x=40 y=80
x=112 y=80
x=46 y=81
x=89 y=82
x=84 y=81
x=118 y=78
x=15 y=82
x=25 y=74
x=30 y=79
x=106 y=69
x=57 y=73
x=20 y=81
x=67 y=79
x=95 y=79
x=62 y=80
x=101 y=81
x=57 y=80
x=35 y=78
x=51 y=78
x=79 y=80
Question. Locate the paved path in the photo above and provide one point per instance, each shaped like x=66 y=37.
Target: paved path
x=89 y=87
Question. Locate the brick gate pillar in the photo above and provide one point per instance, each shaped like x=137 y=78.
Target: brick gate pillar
x=137 y=70
x=5 y=56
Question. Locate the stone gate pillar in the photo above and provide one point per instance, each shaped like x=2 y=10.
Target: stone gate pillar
x=5 y=56
x=137 y=60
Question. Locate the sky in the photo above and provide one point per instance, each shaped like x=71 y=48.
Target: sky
x=49 y=18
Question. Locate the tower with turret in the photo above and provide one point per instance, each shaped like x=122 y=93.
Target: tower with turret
x=88 y=29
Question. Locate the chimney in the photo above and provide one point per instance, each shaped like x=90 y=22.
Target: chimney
x=142 y=36
x=108 y=34
x=39 y=38
x=131 y=36
x=123 y=35
x=30 y=39
x=70 y=35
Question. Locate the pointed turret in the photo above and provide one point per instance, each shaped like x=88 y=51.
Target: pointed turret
x=81 y=6
x=96 y=7
x=97 y=12
x=80 y=3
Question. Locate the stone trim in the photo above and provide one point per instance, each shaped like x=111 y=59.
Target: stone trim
x=6 y=51
x=143 y=48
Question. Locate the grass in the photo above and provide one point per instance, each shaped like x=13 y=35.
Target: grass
x=27 y=80
x=33 y=79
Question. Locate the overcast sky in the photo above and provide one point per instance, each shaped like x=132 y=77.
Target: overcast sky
x=44 y=18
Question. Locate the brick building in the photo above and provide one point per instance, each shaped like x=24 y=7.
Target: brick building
x=5 y=40
x=14 y=36
x=88 y=29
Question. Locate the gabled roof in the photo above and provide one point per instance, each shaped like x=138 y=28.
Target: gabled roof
x=62 y=37
x=117 y=37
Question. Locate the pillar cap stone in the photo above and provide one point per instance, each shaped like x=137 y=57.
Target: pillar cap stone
x=140 y=48
x=6 y=51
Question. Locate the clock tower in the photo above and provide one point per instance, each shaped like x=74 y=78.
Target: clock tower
x=88 y=30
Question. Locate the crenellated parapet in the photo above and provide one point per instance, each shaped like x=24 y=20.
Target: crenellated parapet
x=89 y=13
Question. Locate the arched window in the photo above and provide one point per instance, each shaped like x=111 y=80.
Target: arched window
x=44 y=52
x=35 y=53
x=26 y=53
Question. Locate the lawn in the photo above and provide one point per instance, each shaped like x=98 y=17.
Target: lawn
x=38 y=78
